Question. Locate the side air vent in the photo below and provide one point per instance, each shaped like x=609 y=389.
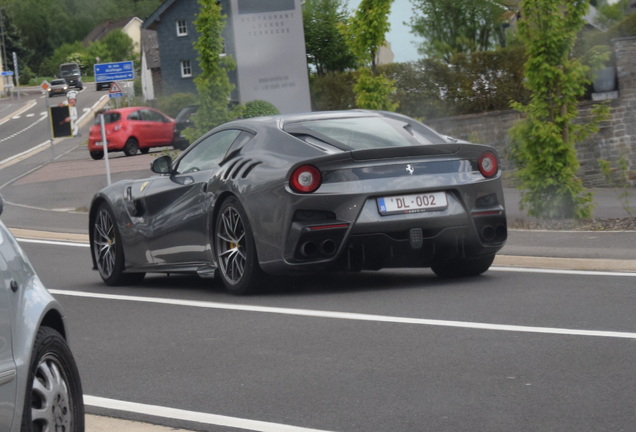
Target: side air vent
x=239 y=168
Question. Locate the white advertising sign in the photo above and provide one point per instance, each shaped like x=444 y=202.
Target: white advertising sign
x=270 y=53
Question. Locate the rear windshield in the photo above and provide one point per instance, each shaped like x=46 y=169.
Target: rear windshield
x=109 y=117
x=360 y=133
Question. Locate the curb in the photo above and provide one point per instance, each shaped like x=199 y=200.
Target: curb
x=586 y=264
x=518 y=261
x=48 y=235
x=95 y=423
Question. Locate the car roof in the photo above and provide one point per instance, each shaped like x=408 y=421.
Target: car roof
x=281 y=119
x=129 y=109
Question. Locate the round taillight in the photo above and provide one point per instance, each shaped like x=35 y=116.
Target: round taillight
x=305 y=179
x=488 y=165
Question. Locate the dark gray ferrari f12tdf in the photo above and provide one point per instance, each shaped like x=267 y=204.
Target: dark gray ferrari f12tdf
x=327 y=191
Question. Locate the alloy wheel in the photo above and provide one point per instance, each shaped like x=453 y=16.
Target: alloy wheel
x=231 y=244
x=104 y=243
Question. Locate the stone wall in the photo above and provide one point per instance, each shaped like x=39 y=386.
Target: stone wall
x=616 y=138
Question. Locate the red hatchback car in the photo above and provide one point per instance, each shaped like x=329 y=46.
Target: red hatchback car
x=130 y=130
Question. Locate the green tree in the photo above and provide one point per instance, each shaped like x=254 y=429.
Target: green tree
x=213 y=84
x=458 y=26
x=45 y=25
x=119 y=46
x=366 y=34
x=325 y=43
x=13 y=43
x=611 y=12
x=65 y=53
x=545 y=139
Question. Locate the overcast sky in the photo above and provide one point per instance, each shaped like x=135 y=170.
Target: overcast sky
x=403 y=42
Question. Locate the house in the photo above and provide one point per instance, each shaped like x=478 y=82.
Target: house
x=130 y=26
x=265 y=38
x=150 y=65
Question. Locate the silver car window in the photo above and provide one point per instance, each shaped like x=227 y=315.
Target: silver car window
x=359 y=133
x=208 y=152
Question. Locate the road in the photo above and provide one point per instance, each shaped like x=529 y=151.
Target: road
x=385 y=351
x=25 y=123
x=517 y=349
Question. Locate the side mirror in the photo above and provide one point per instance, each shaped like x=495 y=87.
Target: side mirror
x=161 y=165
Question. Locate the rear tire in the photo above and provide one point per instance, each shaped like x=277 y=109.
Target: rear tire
x=97 y=155
x=54 y=399
x=131 y=147
x=467 y=268
x=235 y=250
x=108 y=250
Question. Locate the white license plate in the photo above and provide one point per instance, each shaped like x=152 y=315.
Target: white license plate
x=412 y=203
x=100 y=143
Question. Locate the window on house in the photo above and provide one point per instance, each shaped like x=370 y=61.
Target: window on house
x=186 y=69
x=182 y=28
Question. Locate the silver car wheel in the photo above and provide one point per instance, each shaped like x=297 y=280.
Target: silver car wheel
x=105 y=243
x=230 y=244
x=51 y=408
x=53 y=400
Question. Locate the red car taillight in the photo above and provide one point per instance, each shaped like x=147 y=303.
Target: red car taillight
x=488 y=164
x=305 y=179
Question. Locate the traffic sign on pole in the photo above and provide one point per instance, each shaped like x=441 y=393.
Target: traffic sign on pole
x=119 y=71
x=115 y=90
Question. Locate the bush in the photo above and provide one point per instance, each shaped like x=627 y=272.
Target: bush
x=482 y=81
x=172 y=104
x=256 y=108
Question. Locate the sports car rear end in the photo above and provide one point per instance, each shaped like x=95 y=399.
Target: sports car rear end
x=396 y=195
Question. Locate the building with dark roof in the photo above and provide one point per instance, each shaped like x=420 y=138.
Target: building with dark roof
x=265 y=38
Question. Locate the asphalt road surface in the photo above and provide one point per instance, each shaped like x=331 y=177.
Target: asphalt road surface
x=521 y=350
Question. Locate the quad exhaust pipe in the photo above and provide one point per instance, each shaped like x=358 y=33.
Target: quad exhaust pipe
x=491 y=233
x=325 y=248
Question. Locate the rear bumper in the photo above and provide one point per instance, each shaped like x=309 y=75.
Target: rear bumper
x=114 y=144
x=374 y=241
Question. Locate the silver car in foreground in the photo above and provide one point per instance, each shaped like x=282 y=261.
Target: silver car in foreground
x=40 y=388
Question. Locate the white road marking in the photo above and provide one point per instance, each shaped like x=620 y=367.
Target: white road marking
x=193 y=416
x=53 y=242
x=349 y=315
x=23 y=130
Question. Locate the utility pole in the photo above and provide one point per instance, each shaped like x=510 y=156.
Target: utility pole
x=3 y=60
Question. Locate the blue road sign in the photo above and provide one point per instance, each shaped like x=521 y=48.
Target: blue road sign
x=119 y=71
x=6 y=73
